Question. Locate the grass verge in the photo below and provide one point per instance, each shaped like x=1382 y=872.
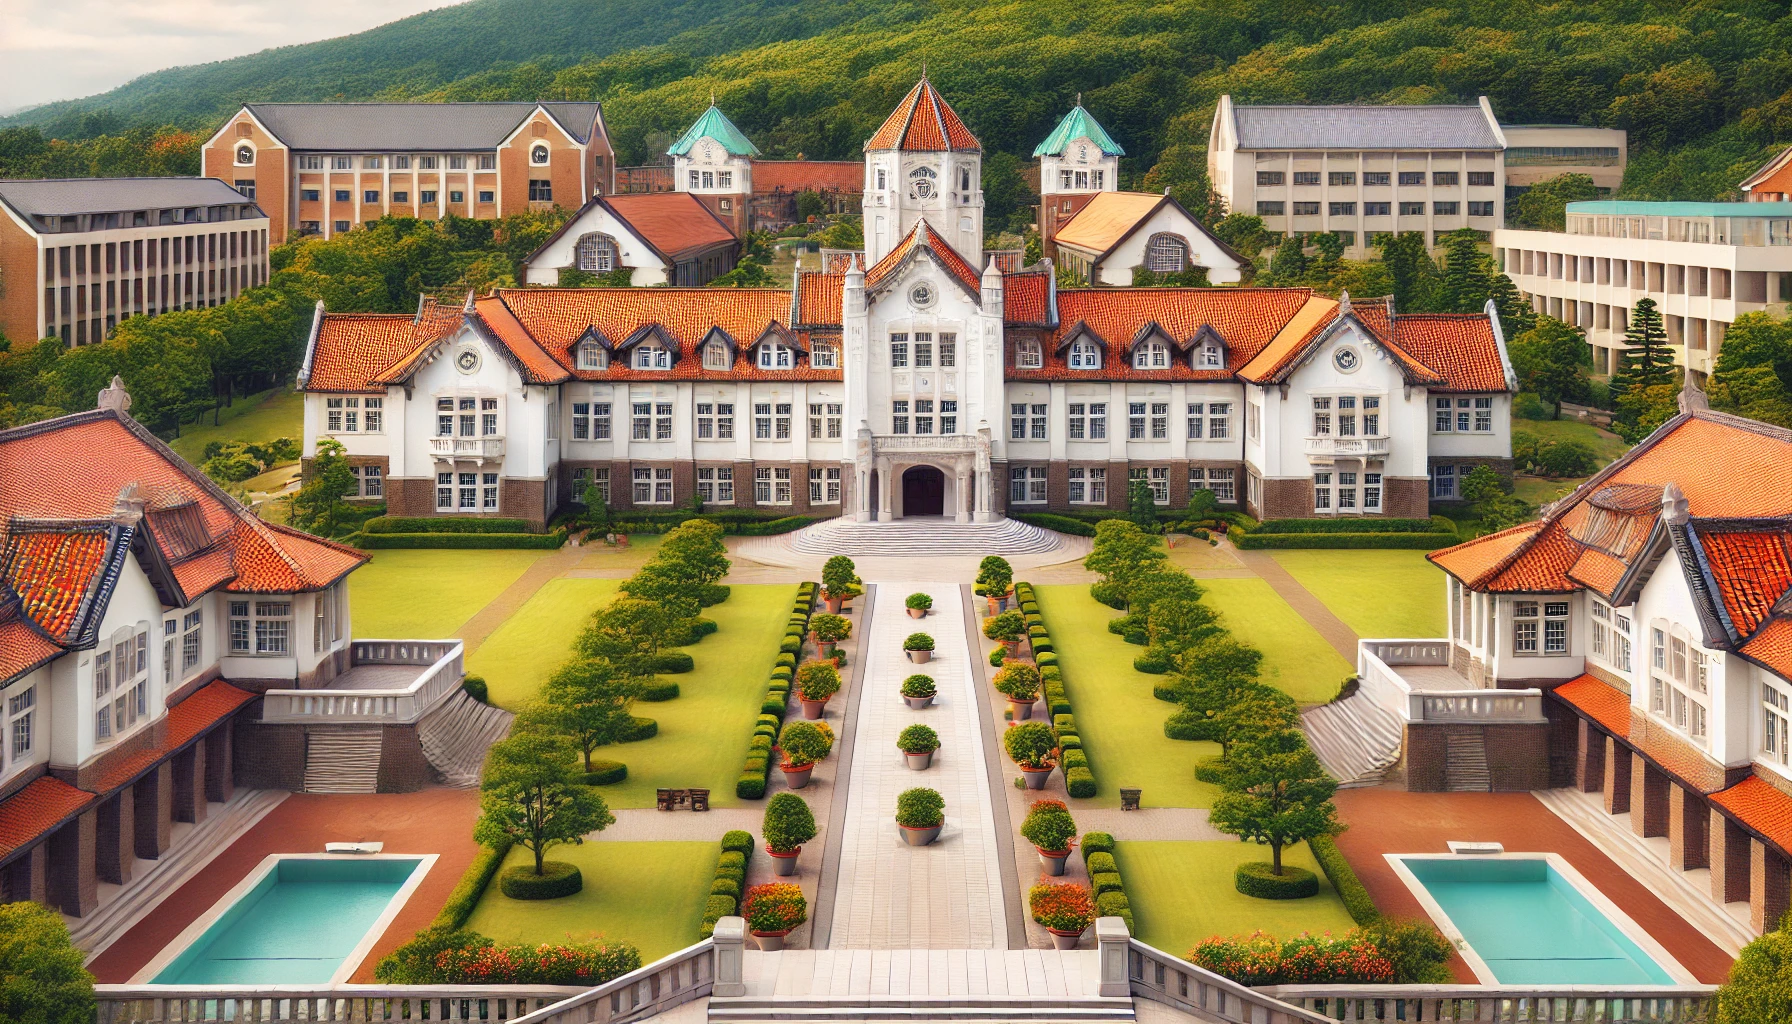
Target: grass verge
x=520 y=654
x=1182 y=893
x=429 y=594
x=277 y=412
x=1376 y=593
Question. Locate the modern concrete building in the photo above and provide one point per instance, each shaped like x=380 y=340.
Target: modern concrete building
x=78 y=255
x=1538 y=152
x=1704 y=264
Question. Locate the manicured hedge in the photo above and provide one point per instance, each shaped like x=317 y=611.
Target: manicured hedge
x=1253 y=878
x=1062 y=524
x=730 y=877
x=1104 y=878
x=672 y=663
x=557 y=879
x=639 y=729
x=606 y=773
x=442 y=524
x=751 y=784
x=1343 y=878
x=370 y=541
x=742 y=522
x=1097 y=842
x=471 y=886
x=657 y=691
x=1079 y=778
x=1365 y=525
x=1387 y=541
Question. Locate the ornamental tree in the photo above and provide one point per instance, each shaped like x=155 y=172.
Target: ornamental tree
x=630 y=634
x=1121 y=554
x=1648 y=361
x=805 y=743
x=1176 y=624
x=1277 y=794
x=839 y=576
x=788 y=823
x=1030 y=744
x=587 y=700
x=817 y=680
x=42 y=980
x=1553 y=360
x=1061 y=907
x=774 y=908
x=995 y=576
x=1049 y=826
x=530 y=796
x=1008 y=627
x=1018 y=681
x=319 y=507
x=690 y=558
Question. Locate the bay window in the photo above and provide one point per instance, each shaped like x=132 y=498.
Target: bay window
x=260 y=627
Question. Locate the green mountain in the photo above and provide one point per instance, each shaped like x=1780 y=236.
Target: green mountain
x=1703 y=86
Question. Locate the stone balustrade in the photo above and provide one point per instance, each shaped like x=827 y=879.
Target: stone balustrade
x=345 y=702
x=1503 y=1004
x=1379 y=678
x=278 y=1004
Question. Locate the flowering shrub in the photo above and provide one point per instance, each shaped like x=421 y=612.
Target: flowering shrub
x=1065 y=907
x=1018 y=681
x=581 y=963
x=774 y=907
x=1261 y=959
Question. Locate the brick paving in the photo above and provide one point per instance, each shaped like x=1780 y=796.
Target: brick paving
x=1386 y=821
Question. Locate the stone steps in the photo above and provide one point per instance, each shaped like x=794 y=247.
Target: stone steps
x=1356 y=739
x=456 y=735
x=156 y=880
x=922 y=537
x=1465 y=764
x=922 y=1008
x=342 y=760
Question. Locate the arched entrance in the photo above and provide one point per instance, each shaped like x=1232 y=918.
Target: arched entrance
x=923 y=492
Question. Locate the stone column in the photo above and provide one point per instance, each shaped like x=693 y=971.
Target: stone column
x=1688 y=845
x=1589 y=761
x=1617 y=777
x=1767 y=887
x=731 y=942
x=961 y=493
x=883 y=491
x=1729 y=859
x=1114 y=943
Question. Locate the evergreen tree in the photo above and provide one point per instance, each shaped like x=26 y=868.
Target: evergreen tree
x=589 y=702
x=319 y=507
x=1141 y=506
x=1466 y=277
x=1552 y=360
x=1516 y=315
x=1289 y=265
x=1412 y=270
x=1647 y=362
x=42 y=980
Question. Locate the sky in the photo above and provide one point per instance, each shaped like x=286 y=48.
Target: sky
x=63 y=49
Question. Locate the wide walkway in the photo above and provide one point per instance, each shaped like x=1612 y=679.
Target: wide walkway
x=894 y=896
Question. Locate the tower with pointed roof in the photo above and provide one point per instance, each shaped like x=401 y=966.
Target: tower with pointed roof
x=923 y=163
x=713 y=160
x=1077 y=161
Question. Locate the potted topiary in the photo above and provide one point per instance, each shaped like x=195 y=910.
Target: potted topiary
x=1065 y=909
x=840 y=582
x=918 y=691
x=816 y=684
x=827 y=631
x=918 y=604
x=920 y=813
x=917 y=743
x=804 y=744
x=772 y=911
x=996 y=578
x=918 y=647
x=1052 y=831
x=1006 y=628
x=787 y=826
x=1019 y=682
x=1031 y=746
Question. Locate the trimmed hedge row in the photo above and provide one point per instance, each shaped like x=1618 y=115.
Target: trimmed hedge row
x=1050 y=521
x=751 y=784
x=1435 y=524
x=730 y=879
x=1253 y=878
x=735 y=521
x=606 y=773
x=1391 y=541
x=442 y=524
x=1079 y=778
x=1343 y=878
x=371 y=541
x=471 y=886
x=557 y=879
x=1104 y=878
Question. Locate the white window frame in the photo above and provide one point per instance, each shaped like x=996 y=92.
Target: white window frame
x=1088 y=421
x=1026 y=485
x=1083 y=355
x=1029 y=354
x=1088 y=485
x=259 y=627
x=1152 y=355
x=1157 y=477
x=715 y=485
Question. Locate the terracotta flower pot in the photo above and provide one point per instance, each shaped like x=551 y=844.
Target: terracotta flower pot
x=919 y=657
x=1036 y=777
x=917 y=703
x=920 y=836
x=812 y=709
x=796 y=778
x=1060 y=939
x=1010 y=648
x=1053 y=860
x=919 y=761
x=833 y=604
x=917 y=613
x=771 y=942
x=1022 y=710
x=783 y=863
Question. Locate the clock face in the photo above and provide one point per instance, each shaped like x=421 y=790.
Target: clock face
x=921 y=295
x=1346 y=359
x=1082 y=154
x=467 y=360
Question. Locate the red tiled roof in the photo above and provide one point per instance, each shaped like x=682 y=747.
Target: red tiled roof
x=1026 y=298
x=39 y=807
x=1246 y=320
x=808 y=175
x=21 y=647
x=1509 y=560
x=275 y=559
x=533 y=355
x=1752 y=570
x=1600 y=701
x=923 y=122
x=1757 y=804
x=1459 y=347
x=922 y=236
x=818 y=298
x=206 y=707
x=53 y=572
x=674 y=223
x=1314 y=316
x=353 y=348
x=1597 y=570
x=1772 y=646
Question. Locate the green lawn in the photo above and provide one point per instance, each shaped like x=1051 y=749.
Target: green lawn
x=1538 y=490
x=278 y=412
x=615 y=904
x=427 y=594
x=1182 y=893
x=1376 y=593
x=1295 y=657
x=520 y=655
x=1121 y=723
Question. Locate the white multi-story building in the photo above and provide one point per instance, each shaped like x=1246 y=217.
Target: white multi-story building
x=1704 y=264
x=916 y=378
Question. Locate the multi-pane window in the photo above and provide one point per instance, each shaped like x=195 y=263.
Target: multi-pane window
x=1135 y=421
x=771 y=486
x=1219 y=481
x=715 y=421
x=824 y=357
x=773 y=356
x=899 y=416
x=1462 y=415
x=1088 y=485
x=1347 y=490
x=923 y=350
x=354 y=415
x=260 y=627
x=781 y=421
x=899 y=351
x=1322 y=417
x=370 y=481
x=1084 y=356
x=662 y=421
x=923 y=415
x=585 y=478
x=19 y=717
x=590 y=355
x=488 y=492
x=1158 y=478
x=1678 y=685
x=1027 y=420
x=652 y=485
x=488 y=417
x=1088 y=421
x=948 y=415
x=824 y=420
x=1443 y=482
x=1371 y=492
x=1610 y=635
x=1776 y=713
x=716 y=483
x=642 y=428
x=1219 y=420
x=192 y=629
x=1483 y=415
x=948 y=351
x=1028 y=355
x=1154 y=355
x=824 y=485
x=1026 y=485
x=1371 y=416
x=1322 y=490
x=591 y=421
x=653 y=357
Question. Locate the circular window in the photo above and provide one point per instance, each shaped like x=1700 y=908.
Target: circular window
x=539 y=154
x=921 y=295
x=467 y=360
x=245 y=155
x=1346 y=359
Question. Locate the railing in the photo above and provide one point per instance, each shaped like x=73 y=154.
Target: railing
x=399 y=706
x=1408 y=652
x=1476 y=706
x=488 y=447
x=1347 y=446
x=1173 y=981
x=923 y=443
x=278 y=1004
x=1380 y=681
x=672 y=980
x=1503 y=1004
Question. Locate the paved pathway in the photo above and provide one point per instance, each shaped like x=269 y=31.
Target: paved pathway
x=892 y=896
x=1330 y=627
x=486 y=620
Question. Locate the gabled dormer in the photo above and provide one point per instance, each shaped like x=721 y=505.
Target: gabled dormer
x=592 y=350
x=717 y=350
x=1207 y=350
x=1152 y=348
x=1082 y=348
x=776 y=348
x=650 y=348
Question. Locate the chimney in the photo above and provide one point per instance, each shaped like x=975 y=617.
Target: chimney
x=114 y=398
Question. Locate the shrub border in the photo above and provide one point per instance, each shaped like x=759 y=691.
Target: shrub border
x=1343 y=877
x=472 y=885
x=373 y=541
x=1079 y=781
x=719 y=905
x=1102 y=843
x=755 y=769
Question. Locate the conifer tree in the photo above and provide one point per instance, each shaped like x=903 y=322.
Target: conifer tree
x=1466 y=283
x=1648 y=362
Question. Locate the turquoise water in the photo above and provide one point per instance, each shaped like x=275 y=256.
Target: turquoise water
x=296 y=926
x=1532 y=926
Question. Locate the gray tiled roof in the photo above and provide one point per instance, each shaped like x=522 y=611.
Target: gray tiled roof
x=1406 y=127
x=57 y=197
x=410 y=127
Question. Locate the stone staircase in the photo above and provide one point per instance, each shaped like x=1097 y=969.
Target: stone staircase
x=1465 y=763
x=345 y=760
x=924 y=536
x=1356 y=739
x=123 y=906
x=456 y=735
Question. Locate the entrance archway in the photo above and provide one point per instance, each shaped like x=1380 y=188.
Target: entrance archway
x=923 y=492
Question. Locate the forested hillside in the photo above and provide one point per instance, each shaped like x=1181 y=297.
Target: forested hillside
x=1703 y=87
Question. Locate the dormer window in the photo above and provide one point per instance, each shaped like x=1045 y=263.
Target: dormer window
x=1084 y=355
x=591 y=356
x=1210 y=357
x=824 y=357
x=1028 y=355
x=715 y=356
x=596 y=253
x=652 y=357
x=1152 y=355
x=774 y=356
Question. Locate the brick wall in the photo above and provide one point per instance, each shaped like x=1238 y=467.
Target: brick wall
x=1517 y=756
x=403 y=768
x=269 y=756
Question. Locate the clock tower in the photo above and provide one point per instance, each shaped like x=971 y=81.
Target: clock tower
x=713 y=160
x=923 y=164
x=1077 y=161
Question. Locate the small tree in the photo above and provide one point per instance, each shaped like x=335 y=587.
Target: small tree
x=1278 y=794
x=1647 y=362
x=1018 y=681
x=805 y=743
x=839 y=577
x=318 y=507
x=1049 y=826
x=1466 y=275
x=1495 y=508
x=1553 y=360
x=530 y=796
x=589 y=702
x=1176 y=624
x=809 y=204
x=1030 y=744
x=1120 y=554
x=630 y=634
x=995 y=576
x=1760 y=987
x=1141 y=505
x=42 y=980
x=1007 y=628
x=788 y=823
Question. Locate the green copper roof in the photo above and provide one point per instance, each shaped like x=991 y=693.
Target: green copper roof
x=1077 y=124
x=714 y=124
